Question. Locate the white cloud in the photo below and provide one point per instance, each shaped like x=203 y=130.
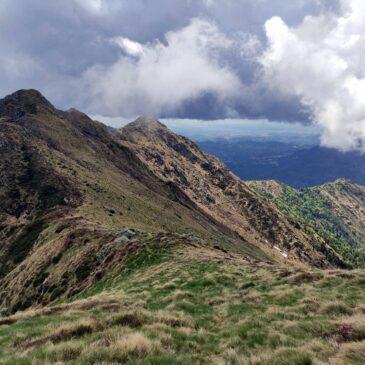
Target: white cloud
x=130 y=47
x=321 y=61
x=162 y=76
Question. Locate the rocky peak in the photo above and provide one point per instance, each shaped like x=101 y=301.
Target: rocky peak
x=146 y=123
x=153 y=136
x=24 y=102
x=143 y=128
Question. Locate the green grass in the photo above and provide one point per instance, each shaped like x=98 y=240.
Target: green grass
x=173 y=305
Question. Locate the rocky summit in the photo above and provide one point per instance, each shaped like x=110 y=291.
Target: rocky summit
x=134 y=246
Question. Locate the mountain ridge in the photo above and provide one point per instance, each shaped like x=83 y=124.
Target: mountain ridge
x=110 y=188
x=91 y=183
x=209 y=183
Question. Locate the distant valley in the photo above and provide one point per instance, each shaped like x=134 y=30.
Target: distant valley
x=296 y=164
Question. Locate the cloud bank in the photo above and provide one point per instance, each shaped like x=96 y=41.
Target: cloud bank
x=320 y=61
x=281 y=60
x=158 y=77
x=62 y=48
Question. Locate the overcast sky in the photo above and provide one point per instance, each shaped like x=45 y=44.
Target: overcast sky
x=281 y=60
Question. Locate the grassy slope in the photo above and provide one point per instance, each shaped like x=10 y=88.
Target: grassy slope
x=174 y=301
x=317 y=211
x=114 y=190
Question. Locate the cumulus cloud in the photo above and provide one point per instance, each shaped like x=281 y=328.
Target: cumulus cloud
x=156 y=77
x=321 y=62
x=67 y=49
x=128 y=46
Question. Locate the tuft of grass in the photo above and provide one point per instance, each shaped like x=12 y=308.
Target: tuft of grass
x=128 y=347
x=64 y=352
x=132 y=320
x=290 y=357
x=66 y=332
x=336 y=309
x=351 y=353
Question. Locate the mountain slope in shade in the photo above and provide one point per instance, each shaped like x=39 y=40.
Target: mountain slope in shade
x=208 y=183
x=335 y=210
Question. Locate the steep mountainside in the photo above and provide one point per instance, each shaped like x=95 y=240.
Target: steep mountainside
x=335 y=210
x=67 y=190
x=211 y=186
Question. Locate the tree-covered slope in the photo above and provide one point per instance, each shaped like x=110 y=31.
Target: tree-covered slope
x=336 y=211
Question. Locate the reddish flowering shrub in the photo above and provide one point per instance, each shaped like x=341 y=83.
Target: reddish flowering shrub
x=345 y=331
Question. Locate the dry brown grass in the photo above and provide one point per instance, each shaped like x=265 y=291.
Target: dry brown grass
x=63 y=333
x=102 y=301
x=350 y=353
x=172 y=319
x=136 y=344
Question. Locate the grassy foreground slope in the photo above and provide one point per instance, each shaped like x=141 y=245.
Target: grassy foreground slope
x=175 y=301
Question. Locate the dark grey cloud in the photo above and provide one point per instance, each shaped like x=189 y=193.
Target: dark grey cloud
x=69 y=51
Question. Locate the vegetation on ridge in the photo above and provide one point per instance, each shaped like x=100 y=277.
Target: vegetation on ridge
x=329 y=210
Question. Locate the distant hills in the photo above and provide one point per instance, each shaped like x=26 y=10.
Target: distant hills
x=292 y=163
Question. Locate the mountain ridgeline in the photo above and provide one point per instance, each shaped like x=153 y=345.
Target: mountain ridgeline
x=69 y=186
x=132 y=246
